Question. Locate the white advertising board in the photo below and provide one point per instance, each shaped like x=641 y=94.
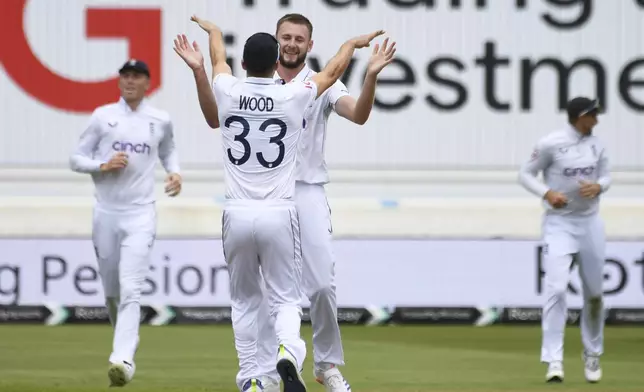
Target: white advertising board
x=427 y=273
x=474 y=85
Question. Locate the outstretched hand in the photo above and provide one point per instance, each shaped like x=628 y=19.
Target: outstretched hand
x=381 y=57
x=189 y=53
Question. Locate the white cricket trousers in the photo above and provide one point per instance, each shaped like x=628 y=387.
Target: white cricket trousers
x=318 y=278
x=262 y=238
x=123 y=241
x=583 y=237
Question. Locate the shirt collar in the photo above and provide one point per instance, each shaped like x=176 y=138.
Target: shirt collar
x=301 y=76
x=127 y=107
x=254 y=80
x=573 y=132
x=304 y=73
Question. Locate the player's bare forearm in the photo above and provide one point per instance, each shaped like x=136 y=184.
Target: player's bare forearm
x=339 y=63
x=218 y=53
x=365 y=101
x=216 y=46
x=335 y=67
x=207 y=101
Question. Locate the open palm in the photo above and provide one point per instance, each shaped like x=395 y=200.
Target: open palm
x=189 y=53
x=381 y=57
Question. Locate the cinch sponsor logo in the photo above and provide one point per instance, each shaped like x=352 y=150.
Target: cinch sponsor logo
x=578 y=171
x=140 y=148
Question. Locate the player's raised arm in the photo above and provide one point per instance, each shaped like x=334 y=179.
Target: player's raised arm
x=217 y=47
x=358 y=111
x=194 y=59
x=339 y=63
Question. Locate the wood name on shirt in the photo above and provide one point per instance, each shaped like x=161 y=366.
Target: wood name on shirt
x=261 y=104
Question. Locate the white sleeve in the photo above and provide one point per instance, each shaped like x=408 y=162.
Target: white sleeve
x=540 y=159
x=603 y=168
x=82 y=159
x=335 y=92
x=168 y=151
x=222 y=84
x=305 y=94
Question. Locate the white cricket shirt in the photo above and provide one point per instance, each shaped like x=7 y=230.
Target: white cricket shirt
x=566 y=157
x=261 y=124
x=311 y=165
x=144 y=135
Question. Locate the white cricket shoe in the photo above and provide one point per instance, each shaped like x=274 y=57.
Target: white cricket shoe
x=555 y=372
x=120 y=373
x=332 y=380
x=592 y=368
x=253 y=385
x=289 y=371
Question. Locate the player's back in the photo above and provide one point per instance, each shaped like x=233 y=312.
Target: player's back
x=261 y=123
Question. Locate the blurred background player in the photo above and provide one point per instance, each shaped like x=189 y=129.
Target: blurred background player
x=119 y=149
x=262 y=120
x=575 y=167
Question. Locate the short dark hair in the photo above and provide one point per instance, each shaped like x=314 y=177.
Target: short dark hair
x=295 y=19
x=261 y=53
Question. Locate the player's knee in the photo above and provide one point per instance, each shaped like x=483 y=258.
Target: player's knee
x=557 y=290
x=112 y=301
x=130 y=293
x=595 y=305
x=245 y=337
x=595 y=302
x=111 y=291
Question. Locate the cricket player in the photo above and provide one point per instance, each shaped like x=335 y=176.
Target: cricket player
x=575 y=167
x=294 y=33
x=119 y=149
x=261 y=122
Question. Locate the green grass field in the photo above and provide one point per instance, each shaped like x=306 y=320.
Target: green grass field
x=379 y=359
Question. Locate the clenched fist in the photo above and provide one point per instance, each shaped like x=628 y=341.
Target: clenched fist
x=556 y=199
x=589 y=190
x=118 y=162
x=173 y=184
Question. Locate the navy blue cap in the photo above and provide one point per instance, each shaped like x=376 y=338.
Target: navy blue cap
x=581 y=106
x=261 y=52
x=136 y=66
